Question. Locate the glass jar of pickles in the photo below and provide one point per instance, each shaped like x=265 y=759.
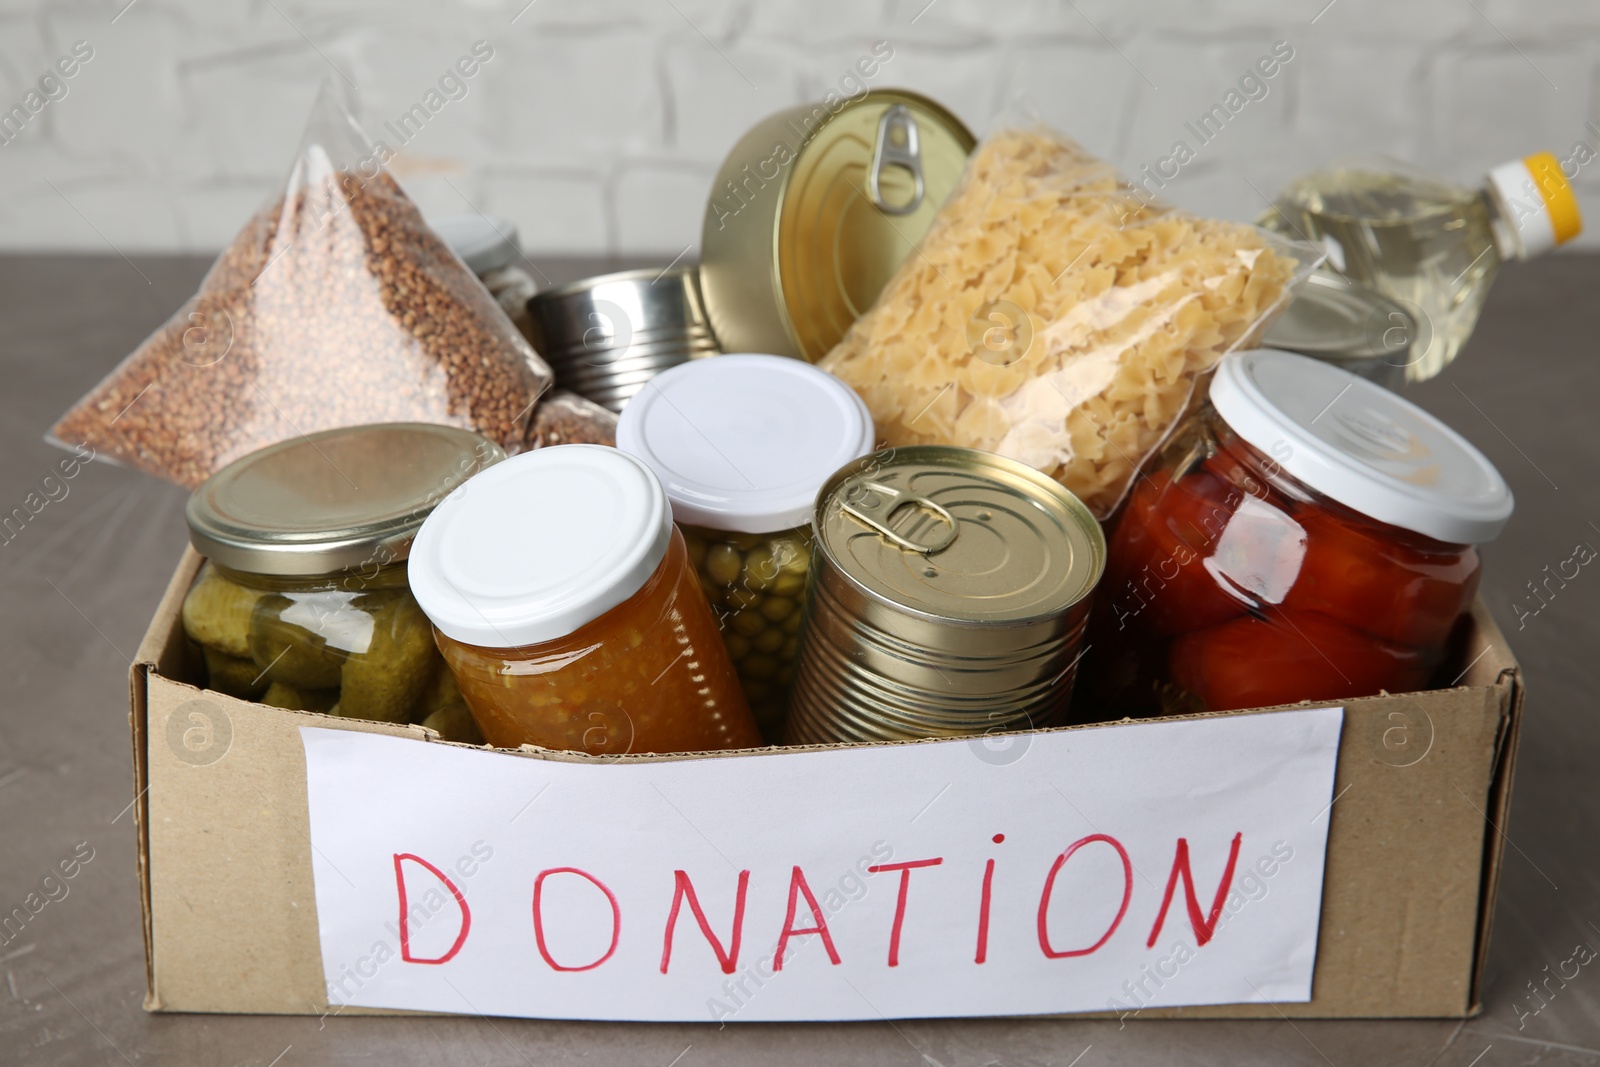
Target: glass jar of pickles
x=303 y=601
x=564 y=602
x=742 y=444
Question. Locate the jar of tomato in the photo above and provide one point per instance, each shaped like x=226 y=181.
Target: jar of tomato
x=1309 y=535
x=563 y=600
x=742 y=444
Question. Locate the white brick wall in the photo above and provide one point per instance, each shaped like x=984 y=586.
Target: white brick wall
x=598 y=124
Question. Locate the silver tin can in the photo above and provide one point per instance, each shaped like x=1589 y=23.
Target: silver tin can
x=949 y=592
x=606 y=337
x=1338 y=322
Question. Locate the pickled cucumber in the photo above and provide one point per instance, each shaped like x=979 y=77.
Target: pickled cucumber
x=454 y=723
x=233 y=675
x=280 y=695
x=388 y=682
x=441 y=694
x=289 y=653
x=217 y=613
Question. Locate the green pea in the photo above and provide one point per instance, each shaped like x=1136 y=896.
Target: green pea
x=778 y=608
x=789 y=583
x=760 y=570
x=795 y=555
x=696 y=546
x=748 y=623
x=738 y=645
x=759 y=666
x=791 y=625
x=723 y=564
x=742 y=598
x=769 y=640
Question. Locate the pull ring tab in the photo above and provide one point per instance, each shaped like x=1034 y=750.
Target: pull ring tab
x=876 y=504
x=897 y=145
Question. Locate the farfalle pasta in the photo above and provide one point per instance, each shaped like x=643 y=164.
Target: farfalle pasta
x=1056 y=315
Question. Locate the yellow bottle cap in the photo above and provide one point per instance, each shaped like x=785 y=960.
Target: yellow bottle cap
x=1539 y=202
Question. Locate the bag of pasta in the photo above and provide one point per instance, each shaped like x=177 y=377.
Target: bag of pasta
x=1058 y=315
x=335 y=305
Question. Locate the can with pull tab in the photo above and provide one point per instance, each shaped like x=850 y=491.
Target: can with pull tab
x=814 y=209
x=949 y=593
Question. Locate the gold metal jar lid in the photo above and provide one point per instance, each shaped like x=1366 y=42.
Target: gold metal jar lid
x=327 y=502
x=814 y=209
x=960 y=535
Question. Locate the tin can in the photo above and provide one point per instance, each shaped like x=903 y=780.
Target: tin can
x=949 y=592
x=606 y=337
x=1354 y=328
x=814 y=209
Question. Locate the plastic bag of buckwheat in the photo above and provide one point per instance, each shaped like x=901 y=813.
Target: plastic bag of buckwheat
x=336 y=305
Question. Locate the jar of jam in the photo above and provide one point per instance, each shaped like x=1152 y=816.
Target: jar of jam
x=563 y=600
x=1307 y=536
x=303 y=601
x=742 y=444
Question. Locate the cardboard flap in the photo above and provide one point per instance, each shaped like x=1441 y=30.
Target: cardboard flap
x=1508 y=683
x=161 y=645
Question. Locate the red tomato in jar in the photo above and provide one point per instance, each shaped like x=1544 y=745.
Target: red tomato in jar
x=1368 y=579
x=1289 y=657
x=1155 y=578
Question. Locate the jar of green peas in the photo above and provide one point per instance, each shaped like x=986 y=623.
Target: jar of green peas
x=742 y=443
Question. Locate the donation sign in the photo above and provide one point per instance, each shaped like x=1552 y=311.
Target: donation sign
x=1116 y=868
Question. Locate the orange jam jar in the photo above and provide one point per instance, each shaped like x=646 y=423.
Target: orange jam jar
x=564 y=602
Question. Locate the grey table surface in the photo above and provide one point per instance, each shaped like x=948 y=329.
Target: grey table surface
x=80 y=583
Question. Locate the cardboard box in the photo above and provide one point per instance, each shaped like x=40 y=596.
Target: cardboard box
x=1413 y=855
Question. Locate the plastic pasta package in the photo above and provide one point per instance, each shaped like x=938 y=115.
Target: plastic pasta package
x=1058 y=316
x=335 y=306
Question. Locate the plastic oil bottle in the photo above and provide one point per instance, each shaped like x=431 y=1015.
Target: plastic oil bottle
x=1429 y=243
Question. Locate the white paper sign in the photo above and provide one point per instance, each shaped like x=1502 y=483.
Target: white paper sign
x=1145 y=865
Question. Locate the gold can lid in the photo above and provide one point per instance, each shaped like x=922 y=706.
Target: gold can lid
x=326 y=502
x=788 y=269
x=960 y=535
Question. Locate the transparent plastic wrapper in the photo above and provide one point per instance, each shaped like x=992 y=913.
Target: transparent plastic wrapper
x=336 y=305
x=1059 y=316
x=565 y=418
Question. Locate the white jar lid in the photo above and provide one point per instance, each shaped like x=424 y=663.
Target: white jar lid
x=554 y=539
x=1362 y=445
x=483 y=242
x=743 y=442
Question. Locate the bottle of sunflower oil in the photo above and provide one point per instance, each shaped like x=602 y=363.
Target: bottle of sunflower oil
x=1430 y=244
